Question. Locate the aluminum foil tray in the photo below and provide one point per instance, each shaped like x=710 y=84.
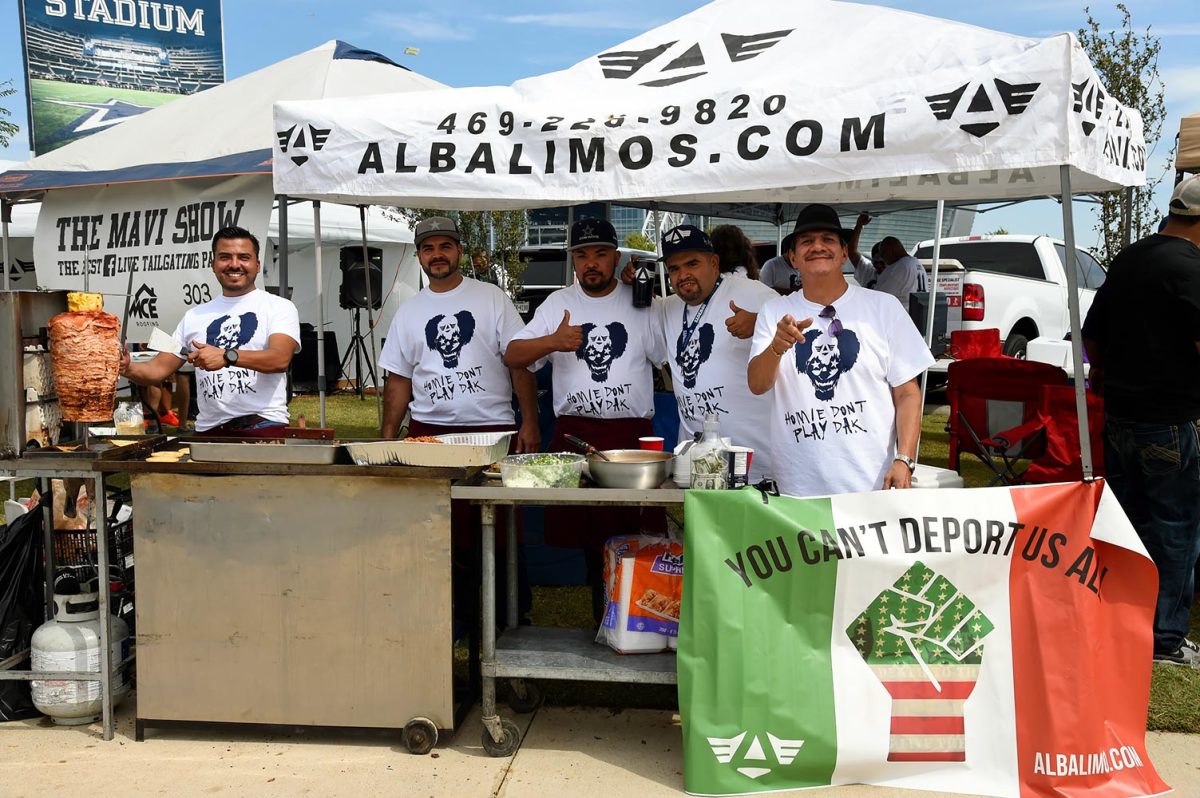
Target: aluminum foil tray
x=292 y=451
x=459 y=450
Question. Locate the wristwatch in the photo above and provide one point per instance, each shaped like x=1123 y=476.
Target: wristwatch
x=908 y=461
x=231 y=357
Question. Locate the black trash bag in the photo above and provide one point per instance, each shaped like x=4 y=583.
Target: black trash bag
x=22 y=607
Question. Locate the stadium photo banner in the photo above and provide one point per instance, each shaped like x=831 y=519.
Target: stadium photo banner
x=162 y=230
x=992 y=641
x=91 y=64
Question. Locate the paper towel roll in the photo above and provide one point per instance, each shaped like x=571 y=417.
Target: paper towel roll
x=615 y=629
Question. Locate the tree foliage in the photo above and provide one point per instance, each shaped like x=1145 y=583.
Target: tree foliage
x=1127 y=63
x=637 y=240
x=7 y=129
x=498 y=235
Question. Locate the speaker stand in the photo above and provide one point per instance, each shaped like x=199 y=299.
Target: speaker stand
x=359 y=350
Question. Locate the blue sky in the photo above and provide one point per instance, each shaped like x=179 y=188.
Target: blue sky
x=477 y=43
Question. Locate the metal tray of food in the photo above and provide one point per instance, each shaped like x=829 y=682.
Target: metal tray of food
x=116 y=447
x=458 y=450
x=295 y=451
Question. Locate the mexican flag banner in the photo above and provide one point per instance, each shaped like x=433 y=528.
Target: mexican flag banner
x=994 y=641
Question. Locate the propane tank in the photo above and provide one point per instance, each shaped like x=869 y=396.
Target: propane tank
x=70 y=642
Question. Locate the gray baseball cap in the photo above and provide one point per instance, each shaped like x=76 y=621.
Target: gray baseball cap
x=1185 y=200
x=436 y=226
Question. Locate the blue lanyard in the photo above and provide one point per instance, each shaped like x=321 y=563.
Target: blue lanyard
x=690 y=329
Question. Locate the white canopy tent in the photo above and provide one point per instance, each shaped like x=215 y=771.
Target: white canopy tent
x=340 y=228
x=218 y=133
x=746 y=103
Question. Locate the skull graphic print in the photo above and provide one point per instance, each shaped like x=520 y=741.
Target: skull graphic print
x=825 y=357
x=694 y=353
x=231 y=332
x=601 y=346
x=447 y=335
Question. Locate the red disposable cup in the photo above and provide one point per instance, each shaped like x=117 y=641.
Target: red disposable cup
x=651 y=443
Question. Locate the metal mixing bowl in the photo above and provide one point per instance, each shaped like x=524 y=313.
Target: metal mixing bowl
x=631 y=468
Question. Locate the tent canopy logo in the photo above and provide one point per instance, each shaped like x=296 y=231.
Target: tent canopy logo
x=1089 y=103
x=686 y=61
x=754 y=756
x=980 y=116
x=300 y=137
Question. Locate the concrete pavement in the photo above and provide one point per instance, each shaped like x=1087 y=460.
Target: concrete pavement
x=580 y=751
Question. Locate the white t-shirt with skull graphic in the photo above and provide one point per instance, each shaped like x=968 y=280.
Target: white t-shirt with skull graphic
x=610 y=375
x=833 y=421
x=709 y=375
x=242 y=322
x=451 y=344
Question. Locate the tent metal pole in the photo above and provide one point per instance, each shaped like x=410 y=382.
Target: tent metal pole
x=5 y=214
x=282 y=200
x=1127 y=217
x=660 y=268
x=932 y=306
x=322 y=387
x=568 y=270
x=366 y=265
x=1085 y=438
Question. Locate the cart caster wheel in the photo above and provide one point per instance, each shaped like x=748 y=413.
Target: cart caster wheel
x=420 y=736
x=509 y=740
x=524 y=696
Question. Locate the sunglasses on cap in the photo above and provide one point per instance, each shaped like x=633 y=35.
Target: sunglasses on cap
x=830 y=314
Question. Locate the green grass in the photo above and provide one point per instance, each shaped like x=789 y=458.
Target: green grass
x=49 y=117
x=349 y=416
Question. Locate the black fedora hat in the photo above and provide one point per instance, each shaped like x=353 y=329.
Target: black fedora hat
x=818 y=217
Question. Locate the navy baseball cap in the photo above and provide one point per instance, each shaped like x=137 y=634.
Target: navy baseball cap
x=685 y=238
x=592 y=233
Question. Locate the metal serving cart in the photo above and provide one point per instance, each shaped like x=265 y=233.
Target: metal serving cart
x=287 y=594
x=522 y=653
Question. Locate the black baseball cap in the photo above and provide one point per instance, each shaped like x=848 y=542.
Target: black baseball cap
x=819 y=217
x=592 y=233
x=685 y=238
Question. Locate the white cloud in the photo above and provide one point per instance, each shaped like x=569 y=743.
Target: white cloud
x=578 y=19
x=421 y=27
x=1182 y=84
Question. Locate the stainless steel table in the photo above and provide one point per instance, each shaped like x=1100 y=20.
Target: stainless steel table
x=531 y=652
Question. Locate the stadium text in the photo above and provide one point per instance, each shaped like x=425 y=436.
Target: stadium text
x=131 y=14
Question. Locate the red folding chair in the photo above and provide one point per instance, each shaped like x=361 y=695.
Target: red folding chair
x=989 y=395
x=1057 y=424
x=968 y=344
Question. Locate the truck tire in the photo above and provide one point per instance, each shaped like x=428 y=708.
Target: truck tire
x=1016 y=345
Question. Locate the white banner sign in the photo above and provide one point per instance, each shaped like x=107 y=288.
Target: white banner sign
x=736 y=102
x=91 y=239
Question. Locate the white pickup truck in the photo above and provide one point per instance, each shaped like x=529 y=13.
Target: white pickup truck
x=1012 y=282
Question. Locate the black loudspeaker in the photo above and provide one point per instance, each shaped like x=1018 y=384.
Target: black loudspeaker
x=304 y=364
x=353 y=291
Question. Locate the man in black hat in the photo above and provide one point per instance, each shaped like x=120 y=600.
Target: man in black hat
x=843 y=362
x=603 y=351
x=707 y=356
